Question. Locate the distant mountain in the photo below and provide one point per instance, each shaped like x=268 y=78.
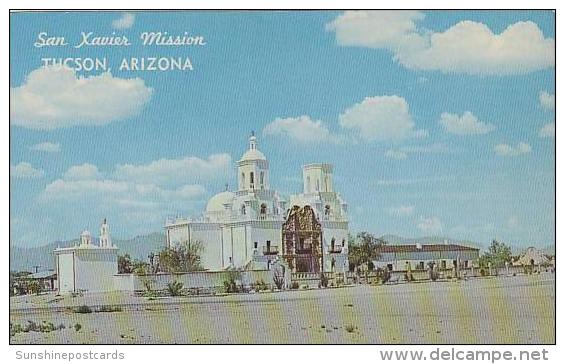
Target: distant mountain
x=550 y=249
x=27 y=258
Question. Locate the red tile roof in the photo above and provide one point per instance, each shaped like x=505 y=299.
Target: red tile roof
x=410 y=248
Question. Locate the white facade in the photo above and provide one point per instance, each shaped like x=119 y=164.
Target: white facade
x=87 y=267
x=245 y=226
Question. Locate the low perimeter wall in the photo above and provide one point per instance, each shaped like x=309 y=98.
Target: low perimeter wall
x=206 y=280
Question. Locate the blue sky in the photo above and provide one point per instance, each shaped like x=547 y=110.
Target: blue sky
x=437 y=123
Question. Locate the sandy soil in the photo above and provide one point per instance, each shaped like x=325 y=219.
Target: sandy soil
x=487 y=310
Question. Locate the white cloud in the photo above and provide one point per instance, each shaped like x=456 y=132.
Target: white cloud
x=161 y=187
x=177 y=171
x=86 y=185
x=396 y=154
x=547 y=100
x=83 y=172
x=25 y=170
x=376 y=29
x=381 y=118
x=466 y=124
x=46 y=147
x=430 y=225
x=547 y=131
x=301 y=128
x=402 y=211
x=56 y=97
x=122 y=193
x=466 y=47
x=404 y=152
x=124 y=22
x=506 y=150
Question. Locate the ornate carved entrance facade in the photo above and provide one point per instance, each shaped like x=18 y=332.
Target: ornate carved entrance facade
x=302 y=240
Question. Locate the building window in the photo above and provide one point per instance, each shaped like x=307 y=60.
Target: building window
x=243 y=209
x=327 y=210
x=251 y=180
x=242 y=181
x=261 y=179
x=326 y=184
x=255 y=245
x=317 y=185
x=342 y=242
x=421 y=265
x=443 y=264
x=308 y=184
x=332 y=245
x=263 y=209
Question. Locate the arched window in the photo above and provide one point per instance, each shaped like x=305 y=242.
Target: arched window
x=243 y=209
x=263 y=210
x=251 y=180
x=332 y=245
x=327 y=210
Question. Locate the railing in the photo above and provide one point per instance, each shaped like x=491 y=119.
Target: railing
x=272 y=250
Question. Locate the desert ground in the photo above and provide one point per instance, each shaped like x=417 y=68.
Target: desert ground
x=491 y=310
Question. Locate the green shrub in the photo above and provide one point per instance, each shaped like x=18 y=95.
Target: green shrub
x=33 y=326
x=260 y=286
x=82 y=309
x=278 y=279
x=385 y=275
x=294 y=285
x=109 y=308
x=77 y=327
x=175 y=288
x=323 y=281
x=230 y=284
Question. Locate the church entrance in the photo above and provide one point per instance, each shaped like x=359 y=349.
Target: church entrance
x=302 y=237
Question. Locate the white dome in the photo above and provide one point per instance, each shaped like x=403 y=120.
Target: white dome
x=216 y=203
x=252 y=155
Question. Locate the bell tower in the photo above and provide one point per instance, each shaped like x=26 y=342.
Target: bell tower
x=253 y=168
x=105 y=240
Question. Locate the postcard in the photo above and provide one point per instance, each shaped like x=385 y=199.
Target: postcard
x=282 y=177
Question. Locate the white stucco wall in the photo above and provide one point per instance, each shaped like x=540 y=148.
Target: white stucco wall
x=87 y=268
x=65 y=272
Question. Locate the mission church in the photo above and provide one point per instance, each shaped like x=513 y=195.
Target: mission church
x=255 y=226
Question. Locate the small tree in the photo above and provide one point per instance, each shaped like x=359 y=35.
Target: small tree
x=142 y=270
x=125 y=264
x=498 y=253
x=364 y=249
x=184 y=257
